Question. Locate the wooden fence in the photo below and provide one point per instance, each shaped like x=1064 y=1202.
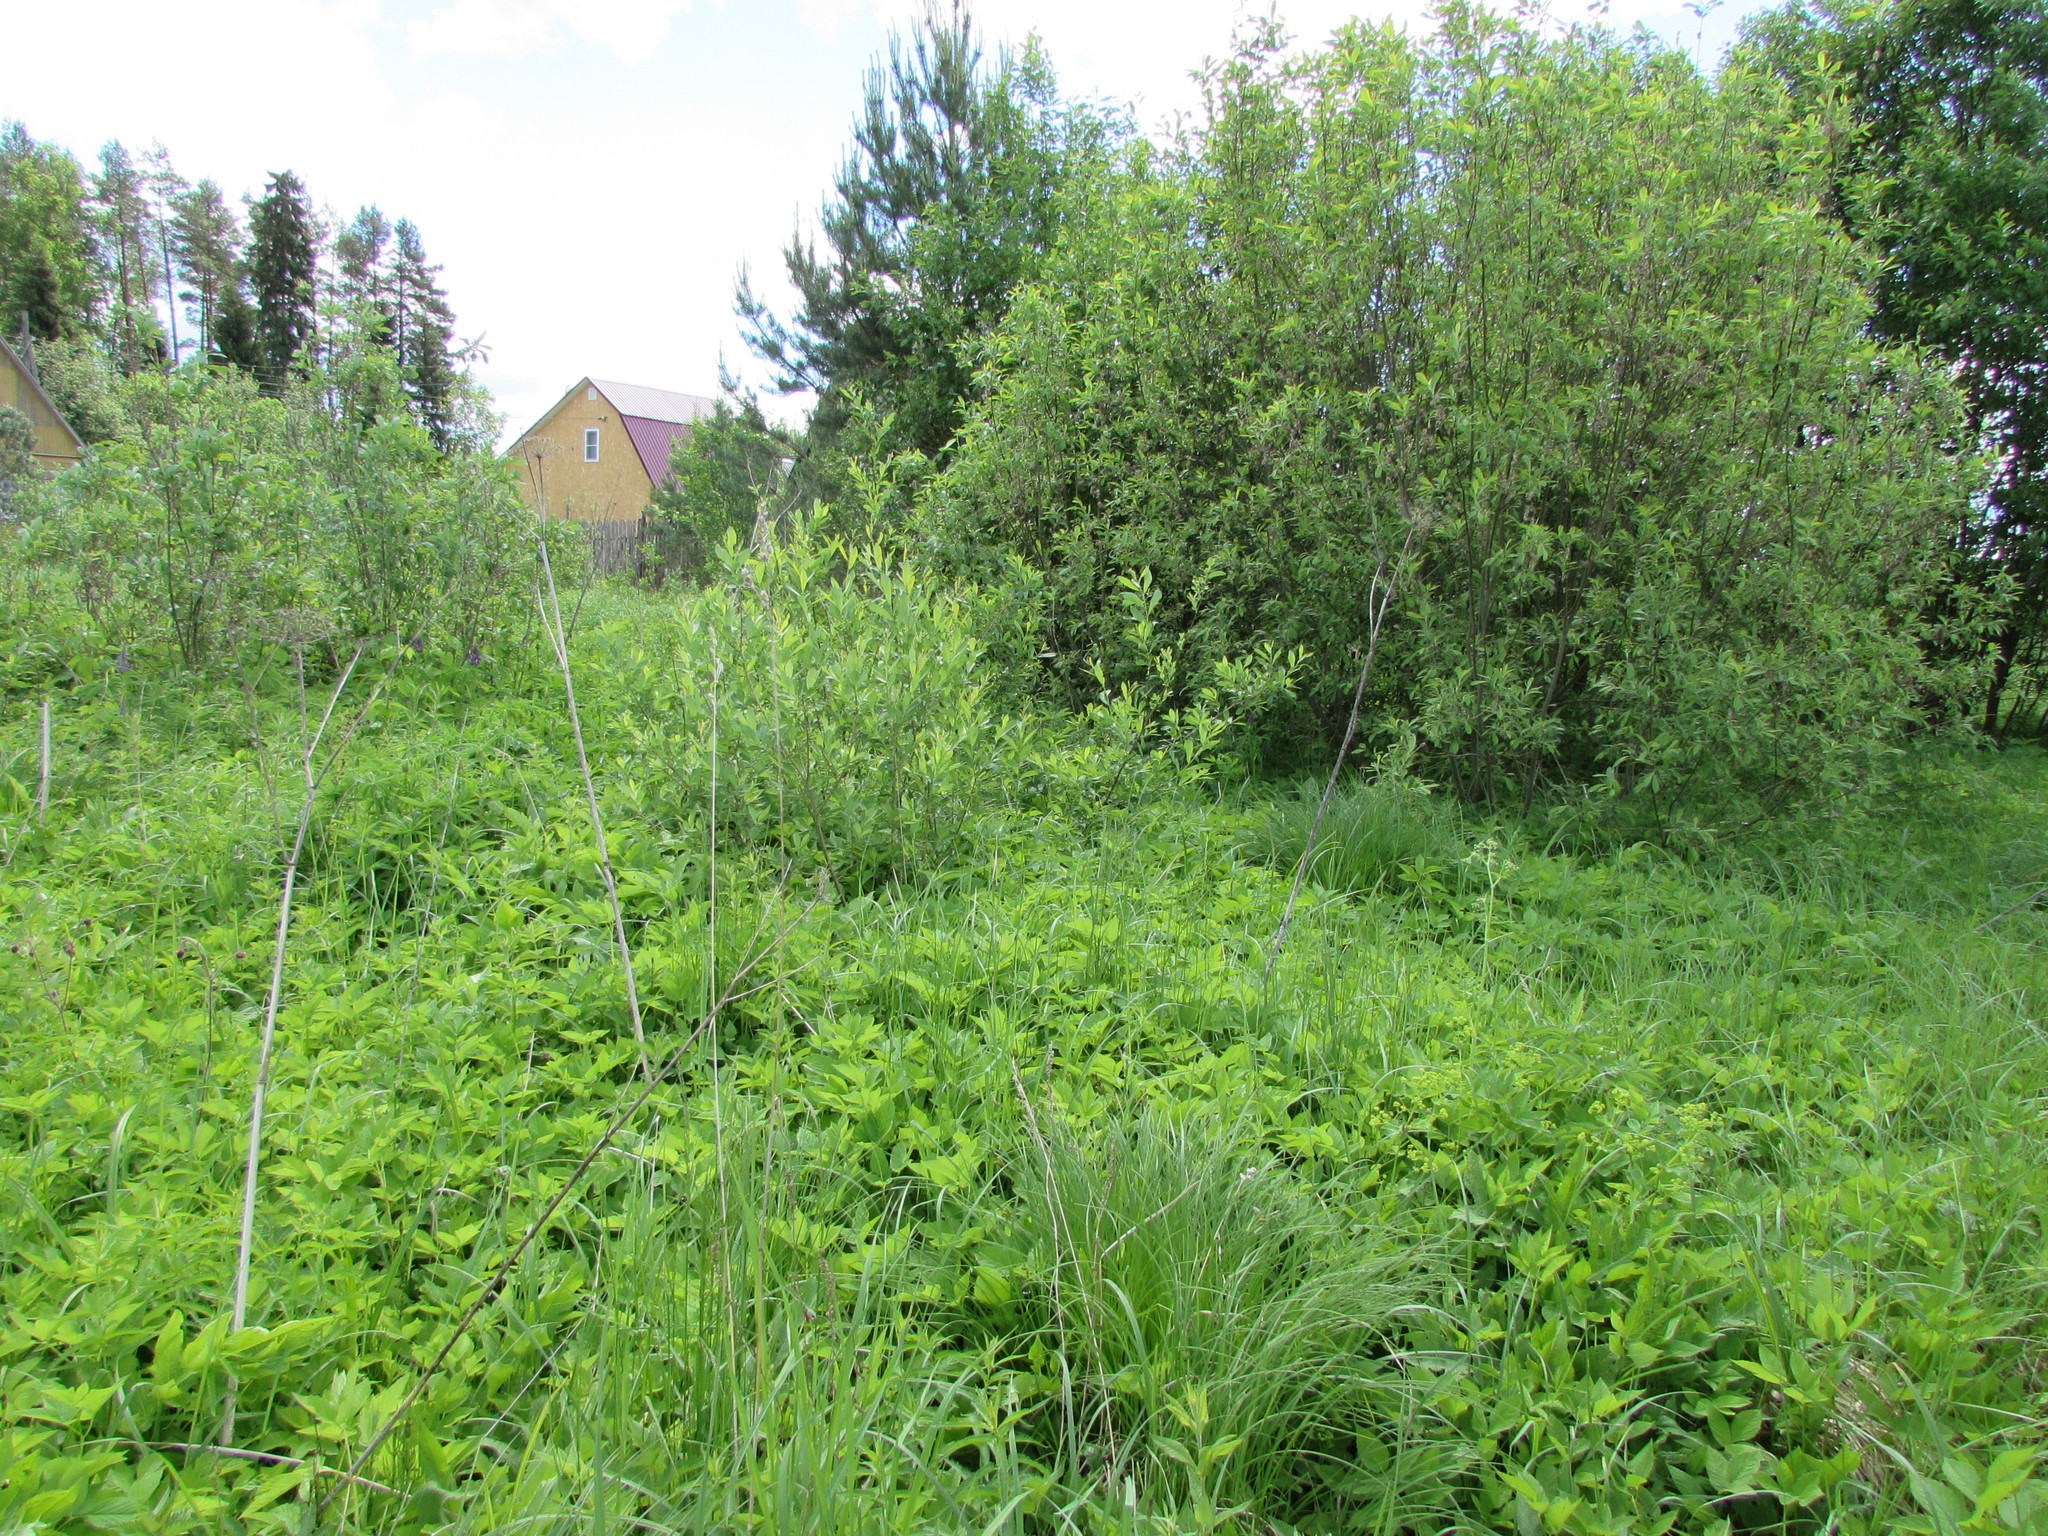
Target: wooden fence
x=613 y=543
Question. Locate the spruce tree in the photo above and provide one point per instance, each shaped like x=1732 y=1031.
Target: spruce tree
x=282 y=267
x=422 y=323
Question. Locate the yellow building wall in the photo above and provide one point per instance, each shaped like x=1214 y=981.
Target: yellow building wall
x=554 y=472
x=55 y=447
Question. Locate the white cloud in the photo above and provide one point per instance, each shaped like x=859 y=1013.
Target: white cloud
x=827 y=18
x=634 y=30
x=489 y=29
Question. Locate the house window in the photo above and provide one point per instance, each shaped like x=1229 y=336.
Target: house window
x=590 y=445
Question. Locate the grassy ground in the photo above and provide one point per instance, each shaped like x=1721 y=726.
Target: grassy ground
x=1533 y=1191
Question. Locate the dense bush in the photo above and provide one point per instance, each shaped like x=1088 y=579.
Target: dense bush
x=221 y=518
x=1564 y=319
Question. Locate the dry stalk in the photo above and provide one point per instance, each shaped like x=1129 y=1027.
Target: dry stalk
x=260 y=1092
x=268 y=1458
x=559 y=640
x=1378 y=599
x=43 y=775
x=710 y=991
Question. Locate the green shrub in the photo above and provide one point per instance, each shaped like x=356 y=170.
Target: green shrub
x=1558 y=316
x=221 y=521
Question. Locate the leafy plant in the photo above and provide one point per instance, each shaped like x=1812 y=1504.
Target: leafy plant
x=1568 y=309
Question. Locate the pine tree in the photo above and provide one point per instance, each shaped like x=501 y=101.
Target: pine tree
x=422 y=324
x=208 y=242
x=122 y=199
x=166 y=186
x=282 y=267
x=359 y=257
x=944 y=207
x=49 y=265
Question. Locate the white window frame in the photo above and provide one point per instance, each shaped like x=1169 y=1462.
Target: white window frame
x=590 y=445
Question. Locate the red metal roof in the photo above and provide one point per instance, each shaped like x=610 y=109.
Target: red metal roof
x=653 y=441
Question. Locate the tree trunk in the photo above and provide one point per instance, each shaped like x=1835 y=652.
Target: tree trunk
x=2001 y=671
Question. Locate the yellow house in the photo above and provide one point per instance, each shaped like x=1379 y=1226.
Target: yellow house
x=56 y=445
x=599 y=454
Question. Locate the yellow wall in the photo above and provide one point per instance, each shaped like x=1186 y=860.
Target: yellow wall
x=552 y=467
x=55 y=447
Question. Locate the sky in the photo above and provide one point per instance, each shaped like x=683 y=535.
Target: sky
x=591 y=174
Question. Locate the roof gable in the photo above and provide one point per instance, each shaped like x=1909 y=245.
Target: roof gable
x=28 y=377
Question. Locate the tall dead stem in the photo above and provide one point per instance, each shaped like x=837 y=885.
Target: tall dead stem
x=1385 y=583
x=558 y=638
x=260 y=1092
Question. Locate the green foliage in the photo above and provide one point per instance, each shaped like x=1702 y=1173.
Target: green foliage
x=224 y=519
x=17 y=457
x=1373 y=836
x=1560 y=318
x=729 y=474
x=49 y=268
x=1947 y=179
x=80 y=380
x=1534 y=1191
x=946 y=204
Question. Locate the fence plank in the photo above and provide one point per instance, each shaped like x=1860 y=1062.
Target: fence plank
x=614 y=542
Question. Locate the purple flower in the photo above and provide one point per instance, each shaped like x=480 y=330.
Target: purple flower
x=121 y=660
x=473 y=657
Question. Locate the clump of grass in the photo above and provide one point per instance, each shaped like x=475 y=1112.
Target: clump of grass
x=1220 y=1338
x=1369 y=832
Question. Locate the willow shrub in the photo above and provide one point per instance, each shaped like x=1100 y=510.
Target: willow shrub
x=221 y=518
x=1564 y=310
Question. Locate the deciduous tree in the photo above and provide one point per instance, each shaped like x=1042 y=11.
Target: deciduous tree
x=1558 y=316
x=49 y=265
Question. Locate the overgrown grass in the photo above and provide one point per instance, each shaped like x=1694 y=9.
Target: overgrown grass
x=1536 y=1192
